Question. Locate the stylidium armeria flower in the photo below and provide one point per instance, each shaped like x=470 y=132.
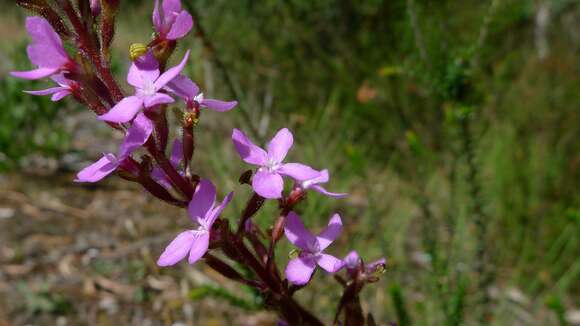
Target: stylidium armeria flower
x=171 y=22
x=136 y=136
x=203 y=212
x=189 y=92
x=314 y=184
x=144 y=75
x=268 y=182
x=352 y=263
x=45 y=51
x=65 y=87
x=300 y=269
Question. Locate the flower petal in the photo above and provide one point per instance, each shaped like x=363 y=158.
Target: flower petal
x=181 y=26
x=219 y=106
x=248 y=151
x=171 y=73
x=98 y=170
x=279 y=146
x=47 y=91
x=352 y=260
x=143 y=69
x=157 y=99
x=216 y=211
x=268 y=184
x=296 y=233
x=159 y=176
x=330 y=263
x=177 y=249
x=171 y=6
x=298 y=171
x=136 y=136
x=46 y=49
x=35 y=73
x=199 y=246
x=176 y=153
x=202 y=201
x=323 y=191
x=330 y=233
x=157 y=20
x=299 y=270
x=183 y=87
x=60 y=95
x=322 y=177
x=124 y=111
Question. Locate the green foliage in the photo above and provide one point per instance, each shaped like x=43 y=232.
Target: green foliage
x=210 y=291
x=30 y=124
x=44 y=301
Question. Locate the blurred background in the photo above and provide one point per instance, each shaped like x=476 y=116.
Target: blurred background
x=452 y=124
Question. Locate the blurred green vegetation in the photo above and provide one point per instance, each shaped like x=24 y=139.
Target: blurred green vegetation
x=29 y=124
x=423 y=110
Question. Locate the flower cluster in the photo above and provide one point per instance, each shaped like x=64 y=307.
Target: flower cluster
x=142 y=156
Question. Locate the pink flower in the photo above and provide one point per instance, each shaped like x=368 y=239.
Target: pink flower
x=203 y=212
x=314 y=184
x=268 y=182
x=189 y=92
x=136 y=136
x=65 y=87
x=353 y=262
x=171 y=23
x=46 y=51
x=300 y=269
x=144 y=75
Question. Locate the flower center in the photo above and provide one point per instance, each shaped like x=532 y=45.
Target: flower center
x=272 y=165
x=148 y=88
x=313 y=247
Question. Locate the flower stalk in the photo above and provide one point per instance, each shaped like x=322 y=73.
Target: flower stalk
x=143 y=157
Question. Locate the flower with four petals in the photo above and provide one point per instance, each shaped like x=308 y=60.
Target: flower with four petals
x=203 y=212
x=299 y=270
x=268 y=182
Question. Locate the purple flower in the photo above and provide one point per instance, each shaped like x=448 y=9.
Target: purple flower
x=136 y=136
x=189 y=92
x=203 y=212
x=171 y=23
x=65 y=87
x=300 y=269
x=352 y=263
x=314 y=184
x=45 y=51
x=176 y=157
x=144 y=75
x=268 y=182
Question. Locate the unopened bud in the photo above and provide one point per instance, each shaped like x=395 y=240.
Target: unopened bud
x=278 y=230
x=137 y=50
